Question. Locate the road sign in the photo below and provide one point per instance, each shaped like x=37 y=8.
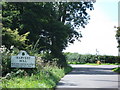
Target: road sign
x=23 y=60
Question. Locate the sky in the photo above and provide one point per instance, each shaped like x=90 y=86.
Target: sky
x=100 y=32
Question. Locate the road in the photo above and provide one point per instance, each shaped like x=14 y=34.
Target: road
x=88 y=76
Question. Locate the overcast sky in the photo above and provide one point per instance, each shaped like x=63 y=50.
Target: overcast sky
x=100 y=32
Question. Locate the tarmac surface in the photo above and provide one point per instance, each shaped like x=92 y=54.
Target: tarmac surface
x=89 y=76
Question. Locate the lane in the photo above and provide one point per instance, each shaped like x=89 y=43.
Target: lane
x=88 y=76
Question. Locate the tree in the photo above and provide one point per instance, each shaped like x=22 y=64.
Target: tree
x=23 y=15
x=118 y=39
x=74 y=12
x=54 y=23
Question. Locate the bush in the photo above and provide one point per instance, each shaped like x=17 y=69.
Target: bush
x=6 y=56
x=12 y=37
x=41 y=61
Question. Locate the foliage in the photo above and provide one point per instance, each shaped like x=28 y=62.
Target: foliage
x=53 y=23
x=12 y=37
x=74 y=12
x=41 y=60
x=118 y=36
x=116 y=70
x=47 y=77
x=75 y=58
x=118 y=32
x=6 y=56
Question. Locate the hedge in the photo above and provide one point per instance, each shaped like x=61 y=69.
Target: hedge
x=88 y=58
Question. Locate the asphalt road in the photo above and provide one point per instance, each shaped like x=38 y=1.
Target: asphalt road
x=88 y=76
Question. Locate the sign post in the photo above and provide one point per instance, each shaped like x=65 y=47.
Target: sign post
x=23 y=60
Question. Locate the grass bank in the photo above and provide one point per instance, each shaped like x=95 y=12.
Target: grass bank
x=47 y=77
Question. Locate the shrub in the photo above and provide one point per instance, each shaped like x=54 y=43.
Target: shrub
x=6 y=56
x=12 y=37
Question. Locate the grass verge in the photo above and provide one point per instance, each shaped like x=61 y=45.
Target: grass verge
x=93 y=63
x=116 y=70
x=48 y=77
x=102 y=64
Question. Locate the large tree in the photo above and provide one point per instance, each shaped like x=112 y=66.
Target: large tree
x=55 y=24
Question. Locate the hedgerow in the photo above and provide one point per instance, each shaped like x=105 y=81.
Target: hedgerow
x=79 y=58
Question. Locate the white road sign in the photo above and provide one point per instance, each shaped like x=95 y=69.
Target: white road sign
x=23 y=60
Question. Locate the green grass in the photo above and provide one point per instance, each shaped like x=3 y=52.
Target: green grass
x=93 y=63
x=101 y=64
x=46 y=78
x=74 y=63
x=116 y=70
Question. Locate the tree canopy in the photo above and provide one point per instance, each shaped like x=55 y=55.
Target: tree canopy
x=55 y=24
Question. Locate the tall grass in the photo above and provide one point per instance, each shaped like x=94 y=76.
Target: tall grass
x=45 y=75
x=46 y=78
